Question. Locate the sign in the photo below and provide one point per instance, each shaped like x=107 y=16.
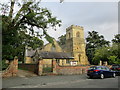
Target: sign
x=73 y=63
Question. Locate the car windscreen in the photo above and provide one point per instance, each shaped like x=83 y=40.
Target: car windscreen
x=92 y=68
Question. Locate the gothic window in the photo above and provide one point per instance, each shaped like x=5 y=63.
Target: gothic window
x=78 y=34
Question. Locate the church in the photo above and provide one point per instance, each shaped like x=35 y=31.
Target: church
x=73 y=52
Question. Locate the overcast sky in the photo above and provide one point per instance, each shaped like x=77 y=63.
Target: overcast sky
x=99 y=16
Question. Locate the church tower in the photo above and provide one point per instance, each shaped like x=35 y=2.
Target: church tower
x=75 y=44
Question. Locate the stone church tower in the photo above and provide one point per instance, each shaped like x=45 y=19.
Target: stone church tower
x=75 y=44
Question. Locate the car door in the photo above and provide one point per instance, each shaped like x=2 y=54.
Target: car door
x=106 y=71
x=109 y=72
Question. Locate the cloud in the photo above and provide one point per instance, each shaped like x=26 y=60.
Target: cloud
x=99 y=16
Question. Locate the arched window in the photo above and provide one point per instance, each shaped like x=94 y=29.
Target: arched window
x=78 y=34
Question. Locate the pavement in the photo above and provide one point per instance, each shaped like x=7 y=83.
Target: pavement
x=23 y=73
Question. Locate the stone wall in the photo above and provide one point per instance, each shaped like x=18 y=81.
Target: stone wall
x=12 y=69
x=40 y=67
x=50 y=47
x=69 y=70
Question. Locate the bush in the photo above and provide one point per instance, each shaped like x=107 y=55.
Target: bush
x=3 y=65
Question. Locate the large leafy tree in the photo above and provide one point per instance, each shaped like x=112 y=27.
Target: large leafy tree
x=110 y=54
x=93 y=42
x=102 y=54
x=19 y=27
x=116 y=46
x=116 y=42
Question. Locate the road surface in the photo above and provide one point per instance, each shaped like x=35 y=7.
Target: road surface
x=63 y=81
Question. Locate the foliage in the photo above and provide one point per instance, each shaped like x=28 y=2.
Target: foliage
x=0 y=65
x=109 y=54
x=112 y=59
x=3 y=65
x=116 y=39
x=116 y=43
x=62 y=40
x=101 y=54
x=19 y=29
x=49 y=38
x=93 y=42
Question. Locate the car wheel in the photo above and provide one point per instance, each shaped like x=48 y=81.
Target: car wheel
x=101 y=76
x=114 y=75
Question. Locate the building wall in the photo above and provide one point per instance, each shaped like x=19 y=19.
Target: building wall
x=28 y=60
x=75 y=45
x=50 y=47
x=47 y=62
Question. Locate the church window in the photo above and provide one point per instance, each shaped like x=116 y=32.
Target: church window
x=78 y=34
x=67 y=61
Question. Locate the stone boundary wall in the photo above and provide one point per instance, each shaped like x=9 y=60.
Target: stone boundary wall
x=11 y=70
x=69 y=70
x=28 y=67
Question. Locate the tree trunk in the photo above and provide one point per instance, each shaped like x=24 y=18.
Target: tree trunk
x=11 y=9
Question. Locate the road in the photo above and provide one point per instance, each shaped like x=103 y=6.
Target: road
x=65 y=81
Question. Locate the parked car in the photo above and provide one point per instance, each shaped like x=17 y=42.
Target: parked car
x=116 y=67
x=100 y=72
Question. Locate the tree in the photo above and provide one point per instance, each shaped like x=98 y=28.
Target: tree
x=102 y=54
x=116 y=42
x=109 y=54
x=116 y=39
x=62 y=40
x=113 y=59
x=24 y=22
x=115 y=49
x=93 y=42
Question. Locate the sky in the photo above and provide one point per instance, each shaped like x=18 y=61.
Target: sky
x=98 y=16
x=101 y=16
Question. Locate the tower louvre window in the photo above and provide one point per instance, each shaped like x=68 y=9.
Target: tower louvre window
x=78 y=34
